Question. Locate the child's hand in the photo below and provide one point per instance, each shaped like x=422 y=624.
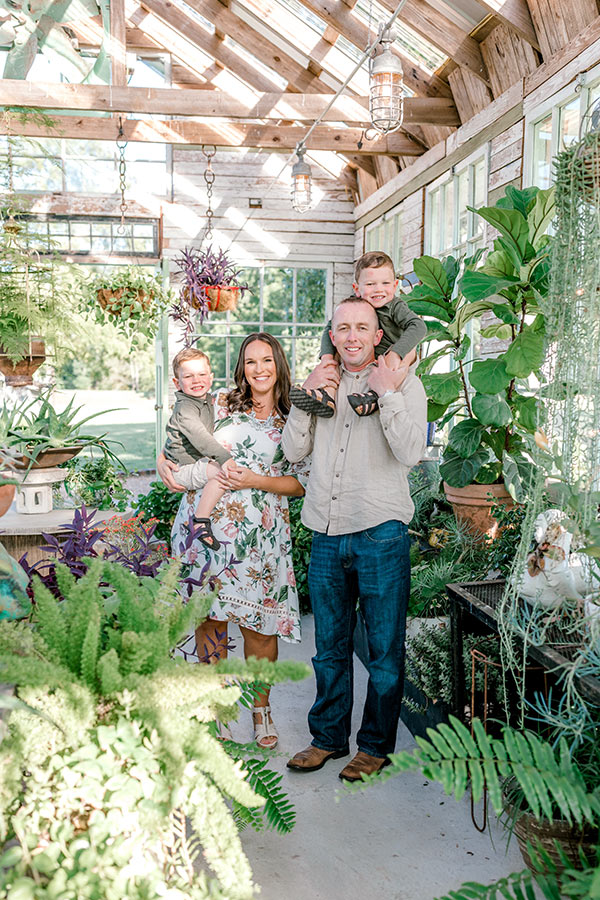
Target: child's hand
x=393 y=360
x=328 y=357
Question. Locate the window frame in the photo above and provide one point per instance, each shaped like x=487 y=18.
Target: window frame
x=473 y=239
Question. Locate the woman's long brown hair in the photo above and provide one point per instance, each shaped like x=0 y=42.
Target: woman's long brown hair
x=239 y=398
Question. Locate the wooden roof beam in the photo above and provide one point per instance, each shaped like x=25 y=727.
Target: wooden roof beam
x=222 y=133
x=515 y=14
x=173 y=102
x=336 y=14
x=118 y=43
x=444 y=34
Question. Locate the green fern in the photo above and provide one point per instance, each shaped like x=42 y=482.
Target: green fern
x=278 y=811
x=518 y=886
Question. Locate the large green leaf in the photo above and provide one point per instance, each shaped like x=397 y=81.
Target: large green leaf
x=435 y=411
x=465 y=437
x=497 y=330
x=491 y=409
x=514 y=480
x=430 y=308
x=526 y=353
x=541 y=215
x=490 y=474
x=457 y=471
x=431 y=272
x=521 y=200
x=451 y=267
x=426 y=363
x=504 y=312
x=478 y=285
x=442 y=388
x=489 y=376
x=512 y=225
x=498 y=263
x=527 y=411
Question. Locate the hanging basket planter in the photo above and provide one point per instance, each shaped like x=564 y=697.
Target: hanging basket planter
x=222 y=298
x=112 y=301
x=21 y=372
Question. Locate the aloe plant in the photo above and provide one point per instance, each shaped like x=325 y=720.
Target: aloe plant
x=497 y=410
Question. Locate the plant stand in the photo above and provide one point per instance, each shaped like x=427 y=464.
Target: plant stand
x=35 y=492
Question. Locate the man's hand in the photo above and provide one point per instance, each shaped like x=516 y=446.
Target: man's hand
x=383 y=378
x=325 y=375
x=166 y=471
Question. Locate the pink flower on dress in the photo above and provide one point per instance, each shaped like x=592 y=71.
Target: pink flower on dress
x=291 y=578
x=275 y=435
x=270 y=602
x=231 y=530
x=267 y=518
x=285 y=626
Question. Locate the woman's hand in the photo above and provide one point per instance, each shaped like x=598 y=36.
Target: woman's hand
x=236 y=478
x=166 y=471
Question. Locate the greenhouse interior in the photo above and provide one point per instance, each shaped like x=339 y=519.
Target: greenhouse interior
x=299 y=449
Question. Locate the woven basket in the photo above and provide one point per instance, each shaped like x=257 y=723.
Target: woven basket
x=222 y=298
x=545 y=835
x=110 y=300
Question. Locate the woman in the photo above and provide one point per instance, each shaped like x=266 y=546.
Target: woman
x=253 y=567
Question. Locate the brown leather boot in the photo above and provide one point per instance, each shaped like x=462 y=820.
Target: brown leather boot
x=313 y=758
x=363 y=764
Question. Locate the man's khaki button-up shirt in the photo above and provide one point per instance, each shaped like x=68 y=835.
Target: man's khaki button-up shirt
x=360 y=464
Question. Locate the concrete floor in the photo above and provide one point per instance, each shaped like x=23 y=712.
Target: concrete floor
x=404 y=840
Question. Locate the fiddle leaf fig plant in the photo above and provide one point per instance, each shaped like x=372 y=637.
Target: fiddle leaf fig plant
x=495 y=408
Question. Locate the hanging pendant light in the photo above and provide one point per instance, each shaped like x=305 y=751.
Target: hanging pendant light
x=386 y=88
x=301 y=183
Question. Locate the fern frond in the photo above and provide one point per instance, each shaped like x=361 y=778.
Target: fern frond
x=91 y=649
x=50 y=620
x=278 y=811
x=518 y=886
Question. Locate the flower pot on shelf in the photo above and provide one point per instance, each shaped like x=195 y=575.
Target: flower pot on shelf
x=472 y=506
x=21 y=372
x=7 y=492
x=51 y=457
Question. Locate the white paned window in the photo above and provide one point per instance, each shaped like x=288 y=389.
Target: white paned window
x=386 y=235
x=292 y=303
x=450 y=227
x=554 y=125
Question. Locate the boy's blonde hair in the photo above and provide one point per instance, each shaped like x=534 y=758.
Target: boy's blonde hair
x=374 y=259
x=184 y=355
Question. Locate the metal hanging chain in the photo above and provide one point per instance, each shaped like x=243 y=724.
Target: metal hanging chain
x=121 y=146
x=209 y=151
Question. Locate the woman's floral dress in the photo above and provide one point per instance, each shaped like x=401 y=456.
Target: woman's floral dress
x=252 y=571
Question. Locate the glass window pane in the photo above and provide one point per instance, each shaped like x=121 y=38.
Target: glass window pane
x=311 y=288
x=435 y=222
x=36 y=175
x=569 y=123
x=277 y=295
x=542 y=152
x=249 y=305
x=147 y=176
x=448 y=224
x=83 y=149
x=95 y=177
x=463 y=200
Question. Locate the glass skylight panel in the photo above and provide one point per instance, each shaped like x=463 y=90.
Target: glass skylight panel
x=407 y=40
x=194 y=14
x=273 y=75
x=305 y=14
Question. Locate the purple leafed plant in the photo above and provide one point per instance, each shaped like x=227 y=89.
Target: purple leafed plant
x=201 y=269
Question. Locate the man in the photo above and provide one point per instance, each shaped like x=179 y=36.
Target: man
x=358 y=505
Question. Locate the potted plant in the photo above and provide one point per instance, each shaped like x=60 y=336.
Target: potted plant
x=36 y=298
x=130 y=299
x=210 y=282
x=118 y=747
x=488 y=449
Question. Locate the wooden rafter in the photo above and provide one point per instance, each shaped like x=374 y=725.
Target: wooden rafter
x=335 y=13
x=172 y=102
x=515 y=14
x=223 y=134
x=440 y=31
x=118 y=43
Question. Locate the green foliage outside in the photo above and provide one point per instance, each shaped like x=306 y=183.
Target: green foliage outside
x=117 y=743
x=301 y=547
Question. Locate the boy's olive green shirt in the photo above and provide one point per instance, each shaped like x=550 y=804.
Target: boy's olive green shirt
x=402 y=329
x=190 y=431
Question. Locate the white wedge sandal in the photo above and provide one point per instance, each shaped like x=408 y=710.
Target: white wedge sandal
x=265 y=733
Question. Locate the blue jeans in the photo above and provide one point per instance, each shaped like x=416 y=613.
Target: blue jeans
x=372 y=565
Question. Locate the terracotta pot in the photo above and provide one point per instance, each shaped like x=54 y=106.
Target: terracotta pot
x=51 y=457
x=472 y=506
x=21 y=373
x=571 y=839
x=110 y=300
x=7 y=492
